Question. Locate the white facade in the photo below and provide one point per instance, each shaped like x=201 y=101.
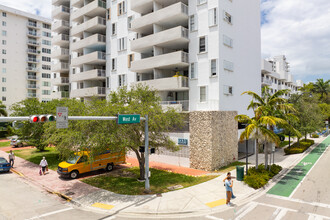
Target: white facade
x=276 y=75
x=25 y=56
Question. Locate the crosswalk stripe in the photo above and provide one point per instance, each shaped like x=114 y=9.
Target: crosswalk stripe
x=250 y=207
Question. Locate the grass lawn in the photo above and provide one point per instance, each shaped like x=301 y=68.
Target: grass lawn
x=5 y=144
x=230 y=167
x=35 y=156
x=126 y=183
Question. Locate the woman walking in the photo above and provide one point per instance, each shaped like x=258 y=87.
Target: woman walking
x=43 y=164
x=229 y=189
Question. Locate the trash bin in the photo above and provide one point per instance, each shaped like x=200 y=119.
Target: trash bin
x=239 y=173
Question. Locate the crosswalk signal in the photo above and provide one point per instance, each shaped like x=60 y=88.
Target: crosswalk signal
x=42 y=118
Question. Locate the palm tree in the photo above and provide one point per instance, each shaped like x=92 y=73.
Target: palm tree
x=321 y=87
x=3 y=111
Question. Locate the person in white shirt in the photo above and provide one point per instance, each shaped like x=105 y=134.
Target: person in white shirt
x=11 y=156
x=43 y=164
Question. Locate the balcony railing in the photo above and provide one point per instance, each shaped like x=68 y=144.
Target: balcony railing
x=101 y=90
x=29 y=68
x=33 y=24
x=32 y=60
x=266 y=81
x=183 y=103
x=102 y=4
x=65 y=94
x=32 y=86
x=32 y=33
x=101 y=73
x=29 y=77
x=101 y=55
x=32 y=95
x=33 y=42
x=33 y=51
x=64 y=80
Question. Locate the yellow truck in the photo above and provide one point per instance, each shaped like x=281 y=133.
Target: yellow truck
x=81 y=163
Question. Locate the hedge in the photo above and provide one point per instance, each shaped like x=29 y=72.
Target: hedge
x=257 y=178
x=300 y=147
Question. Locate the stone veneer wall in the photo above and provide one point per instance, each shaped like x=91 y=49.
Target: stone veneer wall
x=213 y=139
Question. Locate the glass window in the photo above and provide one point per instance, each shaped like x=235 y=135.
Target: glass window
x=213 y=67
x=202 y=44
x=193 y=70
x=213 y=17
x=202 y=93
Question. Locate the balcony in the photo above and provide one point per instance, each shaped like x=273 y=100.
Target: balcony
x=290 y=78
x=96 y=74
x=60 y=67
x=167 y=84
x=179 y=106
x=169 y=61
x=266 y=82
x=65 y=94
x=61 y=26
x=60 y=53
x=61 y=81
x=32 y=60
x=61 y=40
x=32 y=86
x=97 y=58
x=146 y=6
x=61 y=13
x=266 y=67
x=172 y=39
x=77 y=3
x=61 y=2
x=95 y=41
x=32 y=51
x=32 y=78
x=32 y=69
x=89 y=92
x=33 y=34
x=94 y=25
x=169 y=17
x=32 y=95
x=30 y=24
x=93 y=9
x=33 y=43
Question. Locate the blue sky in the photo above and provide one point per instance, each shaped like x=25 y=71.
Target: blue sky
x=298 y=29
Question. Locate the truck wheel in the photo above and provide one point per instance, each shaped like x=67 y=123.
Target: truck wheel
x=109 y=167
x=74 y=174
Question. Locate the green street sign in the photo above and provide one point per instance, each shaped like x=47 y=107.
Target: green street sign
x=128 y=119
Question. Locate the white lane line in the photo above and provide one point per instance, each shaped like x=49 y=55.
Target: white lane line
x=250 y=207
x=308 y=171
x=212 y=217
x=281 y=214
x=51 y=213
x=244 y=208
x=312 y=216
x=276 y=207
x=323 y=205
x=110 y=218
x=275 y=213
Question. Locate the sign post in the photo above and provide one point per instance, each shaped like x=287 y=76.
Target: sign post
x=62 y=117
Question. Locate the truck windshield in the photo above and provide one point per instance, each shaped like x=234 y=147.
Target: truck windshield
x=73 y=159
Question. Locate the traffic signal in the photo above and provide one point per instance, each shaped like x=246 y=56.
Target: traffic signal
x=42 y=118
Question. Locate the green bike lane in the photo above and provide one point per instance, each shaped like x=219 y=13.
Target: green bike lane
x=291 y=180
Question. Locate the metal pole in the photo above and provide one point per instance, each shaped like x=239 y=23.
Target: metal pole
x=73 y=118
x=146 y=155
x=247 y=155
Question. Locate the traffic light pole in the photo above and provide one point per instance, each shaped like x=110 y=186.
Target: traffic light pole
x=146 y=155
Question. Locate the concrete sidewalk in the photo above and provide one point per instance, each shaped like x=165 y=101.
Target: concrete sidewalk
x=196 y=200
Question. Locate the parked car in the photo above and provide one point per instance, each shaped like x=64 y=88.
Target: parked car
x=80 y=163
x=15 y=142
x=4 y=165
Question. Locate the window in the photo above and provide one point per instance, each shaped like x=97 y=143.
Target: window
x=4 y=42
x=45 y=92
x=4 y=61
x=227 y=65
x=4 y=23
x=228 y=90
x=46 y=26
x=114 y=29
x=46 y=34
x=227 y=17
x=121 y=80
x=201 y=1
x=193 y=23
x=4 y=14
x=202 y=44
x=122 y=44
x=214 y=68
x=193 y=71
x=45 y=50
x=46 y=59
x=4 y=98
x=4 y=89
x=113 y=64
x=45 y=67
x=202 y=94
x=227 y=41
x=46 y=42
x=45 y=75
x=213 y=20
x=109 y=13
x=4 y=79
x=4 y=51
x=130 y=59
x=4 y=33
x=129 y=22
x=47 y=84
x=121 y=8
x=4 y=70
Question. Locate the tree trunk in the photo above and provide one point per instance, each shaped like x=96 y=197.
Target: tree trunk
x=266 y=155
x=141 y=160
x=256 y=147
x=305 y=135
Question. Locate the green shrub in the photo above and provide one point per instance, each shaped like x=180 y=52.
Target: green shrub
x=300 y=147
x=315 y=136
x=257 y=178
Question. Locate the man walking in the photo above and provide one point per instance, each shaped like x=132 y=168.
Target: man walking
x=11 y=158
x=229 y=189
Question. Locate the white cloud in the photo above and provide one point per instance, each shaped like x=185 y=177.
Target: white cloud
x=300 y=30
x=31 y=6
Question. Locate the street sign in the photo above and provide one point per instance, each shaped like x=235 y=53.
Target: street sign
x=182 y=141
x=128 y=119
x=62 y=117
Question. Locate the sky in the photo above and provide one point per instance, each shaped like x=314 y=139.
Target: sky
x=299 y=29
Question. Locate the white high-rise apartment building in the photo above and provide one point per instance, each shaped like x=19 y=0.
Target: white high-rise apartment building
x=25 y=56
x=199 y=54
x=275 y=73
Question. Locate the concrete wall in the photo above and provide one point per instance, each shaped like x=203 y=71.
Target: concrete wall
x=213 y=139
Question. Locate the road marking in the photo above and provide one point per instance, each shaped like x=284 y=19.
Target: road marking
x=103 y=206
x=323 y=205
x=247 y=209
x=110 y=218
x=216 y=203
x=276 y=207
x=312 y=216
x=281 y=214
x=51 y=213
x=212 y=217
